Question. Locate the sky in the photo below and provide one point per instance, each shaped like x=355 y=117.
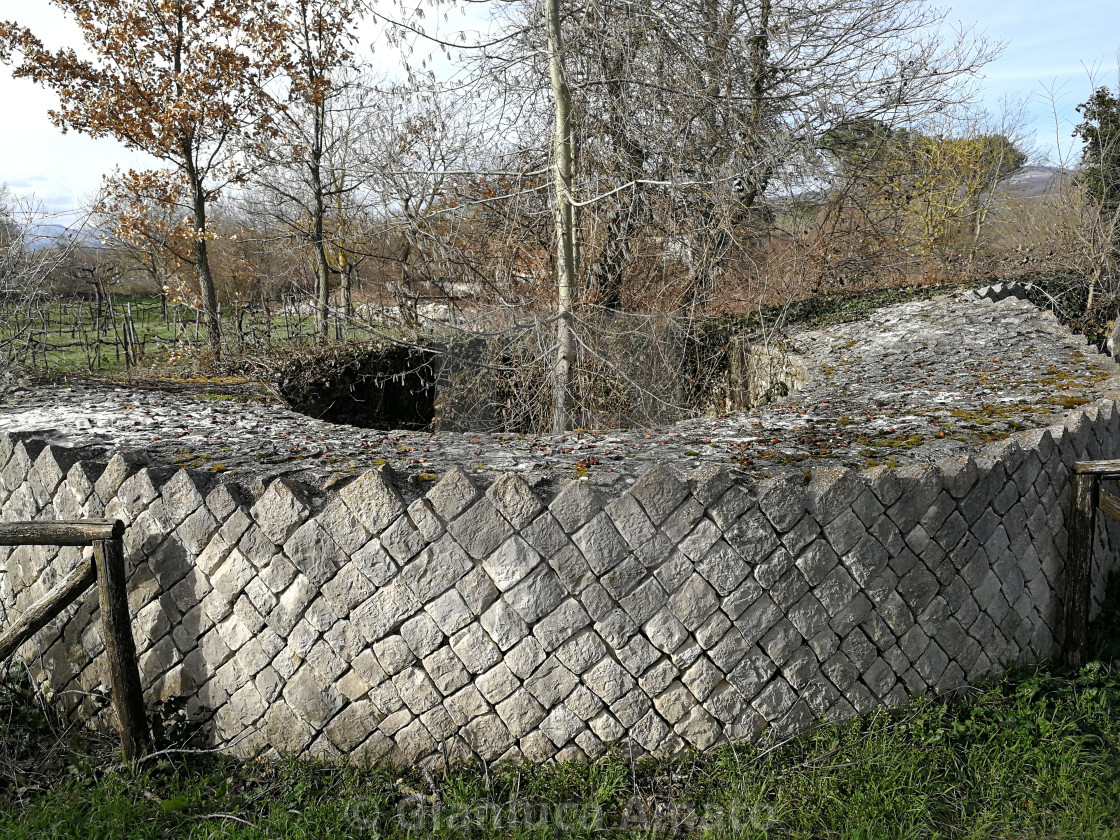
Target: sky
x=1050 y=46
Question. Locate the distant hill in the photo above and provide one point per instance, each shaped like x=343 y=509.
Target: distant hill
x=45 y=235
x=1034 y=181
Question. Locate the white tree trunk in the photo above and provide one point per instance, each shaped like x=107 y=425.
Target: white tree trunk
x=563 y=164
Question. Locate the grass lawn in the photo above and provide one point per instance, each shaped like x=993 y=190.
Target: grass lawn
x=1035 y=754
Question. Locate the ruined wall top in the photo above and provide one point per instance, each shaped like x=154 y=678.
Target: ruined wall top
x=913 y=383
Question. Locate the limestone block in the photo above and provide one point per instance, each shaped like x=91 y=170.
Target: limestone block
x=314 y=702
x=474 y=647
x=384 y=611
x=393 y=654
x=465 y=705
x=723 y=567
x=681 y=521
x=753 y=538
x=487 y=736
x=347 y=589
x=452 y=494
x=424 y=517
x=729 y=507
x=701 y=678
x=480 y=529
x=561 y=726
x=616 y=628
x=498 y=683
x=417 y=690
x=232 y=576
x=284 y=730
x=515 y=499
x=866 y=559
x=235 y=526
x=665 y=631
x=350 y=726
x=280 y=511
x=575 y=505
x=197 y=530
x=932 y=663
x=402 y=540
x=256 y=546
x=422 y=634
x=600 y=544
x=788 y=589
x=182 y=495
x=646 y=599
x=373 y=500
x=21 y=505
x=783 y=502
x=561 y=624
x=49 y=471
x=314 y=552
x=551 y=682
x=631 y=521
x=674 y=572
x=830 y=492
x=702 y=537
x=344 y=528
x=374 y=563
x=545 y=534
x=781 y=641
x=449 y=612
x=221 y=501
x=694 y=602
x=660 y=492
x=637 y=655
x=477 y=589
x=808 y=615
x=436 y=569
x=674 y=702
x=571 y=567
x=650 y=731
x=775 y=699
x=699 y=729
x=608 y=680
x=729 y=651
x=658 y=678
x=504 y=624
x=446 y=670
x=535 y=595
x=525 y=657
x=278 y=574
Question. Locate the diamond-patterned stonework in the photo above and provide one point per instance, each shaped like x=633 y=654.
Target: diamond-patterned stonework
x=683 y=612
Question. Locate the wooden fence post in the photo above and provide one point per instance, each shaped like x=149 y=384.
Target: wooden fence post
x=120 y=648
x=1079 y=567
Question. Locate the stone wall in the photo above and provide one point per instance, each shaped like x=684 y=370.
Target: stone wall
x=339 y=621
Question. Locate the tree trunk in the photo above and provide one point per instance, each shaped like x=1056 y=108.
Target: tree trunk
x=565 y=226
x=322 y=268
x=201 y=255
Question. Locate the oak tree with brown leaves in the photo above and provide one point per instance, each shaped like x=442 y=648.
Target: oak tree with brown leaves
x=182 y=80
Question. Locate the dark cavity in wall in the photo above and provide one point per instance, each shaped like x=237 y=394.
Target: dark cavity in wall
x=381 y=387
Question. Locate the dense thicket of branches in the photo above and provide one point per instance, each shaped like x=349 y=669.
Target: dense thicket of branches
x=693 y=158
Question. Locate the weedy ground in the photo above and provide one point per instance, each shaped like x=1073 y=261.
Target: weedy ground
x=1033 y=754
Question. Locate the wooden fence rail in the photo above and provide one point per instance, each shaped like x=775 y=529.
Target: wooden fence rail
x=108 y=571
x=1088 y=498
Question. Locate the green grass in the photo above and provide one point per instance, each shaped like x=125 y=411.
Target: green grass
x=1035 y=754
x=68 y=337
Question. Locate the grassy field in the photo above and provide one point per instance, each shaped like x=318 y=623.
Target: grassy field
x=1035 y=754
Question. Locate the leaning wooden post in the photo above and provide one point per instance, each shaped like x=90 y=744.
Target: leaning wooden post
x=1079 y=567
x=120 y=649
